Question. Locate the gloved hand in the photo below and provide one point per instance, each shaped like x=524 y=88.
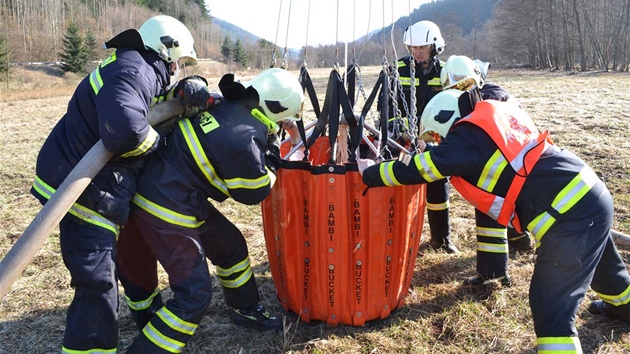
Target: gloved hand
x=193 y=91
x=272 y=155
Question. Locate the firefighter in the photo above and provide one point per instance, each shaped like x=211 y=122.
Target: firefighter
x=503 y=165
x=424 y=43
x=494 y=241
x=231 y=150
x=110 y=104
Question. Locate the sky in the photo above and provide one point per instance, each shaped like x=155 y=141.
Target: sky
x=290 y=23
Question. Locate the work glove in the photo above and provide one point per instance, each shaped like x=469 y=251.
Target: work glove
x=193 y=91
x=273 y=161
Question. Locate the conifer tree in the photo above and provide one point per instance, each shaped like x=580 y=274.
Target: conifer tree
x=240 y=54
x=74 y=57
x=226 y=48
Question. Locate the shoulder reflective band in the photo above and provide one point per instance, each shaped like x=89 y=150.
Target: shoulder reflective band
x=492 y=171
x=78 y=210
x=170 y=216
x=195 y=148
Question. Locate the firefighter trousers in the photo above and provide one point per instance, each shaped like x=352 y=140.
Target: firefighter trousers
x=89 y=253
x=438 y=210
x=181 y=254
x=492 y=247
x=575 y=253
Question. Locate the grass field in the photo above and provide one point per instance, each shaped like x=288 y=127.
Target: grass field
x=585 y=112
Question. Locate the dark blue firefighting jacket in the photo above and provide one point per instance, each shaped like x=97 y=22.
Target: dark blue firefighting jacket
x=217 y=154
x=110 y=104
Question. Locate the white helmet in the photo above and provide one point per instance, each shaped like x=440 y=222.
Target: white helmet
x=169 y=37
x=280 y=93
x=424 y=33
x=441 y=112
x=461 y=73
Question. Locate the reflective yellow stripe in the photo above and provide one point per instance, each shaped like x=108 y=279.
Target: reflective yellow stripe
x=247 y=183
x=387 y=174
x=238 y=267
x=406 y=81
x=492 y=171
x=438 y=206
x=616 y=300
x=492 y=247
x=238 y=282
x=167 y=96
x=563 y=202
x=194 y=146
x=65 y=350
x=559 y=345
x=434 y=82
x=77 y=210
x=492 y=232
x=96 y=81
x=170 y=216
x=401 y=64
x=142 y=304
x=271 y=125
x=176 y=323
x=162 y=341
x=427 y=169
x=148 y=142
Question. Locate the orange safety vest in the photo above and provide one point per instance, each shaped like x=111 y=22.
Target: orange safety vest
x=520 y=143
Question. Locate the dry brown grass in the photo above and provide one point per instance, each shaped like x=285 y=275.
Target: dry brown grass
x=585 y=112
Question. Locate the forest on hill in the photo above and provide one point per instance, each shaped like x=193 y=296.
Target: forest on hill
x=542 y=34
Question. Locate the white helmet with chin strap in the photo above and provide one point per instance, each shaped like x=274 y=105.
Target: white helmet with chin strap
x=441 y=113
x=461 y=73
x=169 y=38
x=280 y=93
x=424 y=33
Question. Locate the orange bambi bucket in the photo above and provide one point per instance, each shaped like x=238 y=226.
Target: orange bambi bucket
x=335 y=254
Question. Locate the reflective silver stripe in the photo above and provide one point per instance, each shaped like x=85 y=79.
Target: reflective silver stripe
x=65 y=350
x=559 y=345
x=492 y=247
x=616 y=300
x=96 y=81
x=194 y=146
x=77 y=210
x=245 y=183
x=425 y=166
x=142 y=304
x=495 y=208
x=239 y=281
x=387 y=174
x=148 y=142
x=519 y=160
x=170 y=216
x=238 y=267
x=176 y=323
x=162 y=341
x=564 y=201
x=492 y=171
x=492 y=232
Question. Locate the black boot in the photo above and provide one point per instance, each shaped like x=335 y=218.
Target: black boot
x=443 y=244
x=521 y=243
x=256 y=317
x=598 y=307
x=479 y=281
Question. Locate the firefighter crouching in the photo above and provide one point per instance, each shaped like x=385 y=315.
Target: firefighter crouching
x=230 y=151
x=501 y=164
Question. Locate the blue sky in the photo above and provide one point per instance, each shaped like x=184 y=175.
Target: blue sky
x=329 y=20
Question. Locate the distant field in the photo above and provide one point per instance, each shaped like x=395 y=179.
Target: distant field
x=587 y=113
